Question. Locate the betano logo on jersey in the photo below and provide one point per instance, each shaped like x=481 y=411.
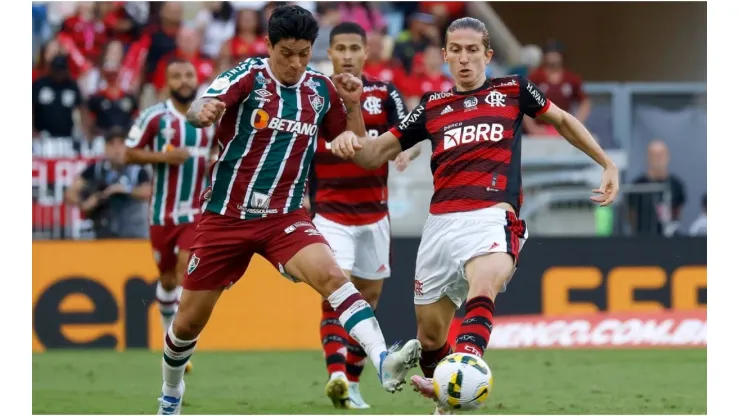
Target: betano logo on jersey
x=468 y=134
x=261 y=120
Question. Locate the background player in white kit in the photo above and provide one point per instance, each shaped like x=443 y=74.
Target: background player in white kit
x=471 y=240
x=351 y=212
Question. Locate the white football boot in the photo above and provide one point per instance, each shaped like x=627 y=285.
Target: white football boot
x=170 y=405
x=396 y=363
x=355 y=398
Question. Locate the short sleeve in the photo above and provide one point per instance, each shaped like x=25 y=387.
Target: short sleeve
x=413 y=128
x=532 y=101
x=335 y=120
x=142 y=177
x=232 y=86
x=89 y=173
x=395 y=106
x=142 y=132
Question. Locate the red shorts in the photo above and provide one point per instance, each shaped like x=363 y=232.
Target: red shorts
x=168 y=240
x=224 y=246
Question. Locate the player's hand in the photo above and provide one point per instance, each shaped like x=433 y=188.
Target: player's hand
x=345 y=145
x=116 y=188
x=402 y=161
x=176 y=156
x=210 y=112
x=609 y=186
x=349 y=88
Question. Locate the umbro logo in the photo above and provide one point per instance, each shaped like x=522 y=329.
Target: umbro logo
x=447 y=109
x=263 y=93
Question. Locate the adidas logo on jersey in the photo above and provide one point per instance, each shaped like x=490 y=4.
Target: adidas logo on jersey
x=476 y=133
x=447 y=109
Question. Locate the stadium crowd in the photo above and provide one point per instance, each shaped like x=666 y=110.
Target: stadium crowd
x=96 y=64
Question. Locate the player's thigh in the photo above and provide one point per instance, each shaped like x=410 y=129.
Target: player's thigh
x=301 y=253
x=369 y=289
x=163 y=241
x=489 y=259
x=183 y=244
x=373 y=251
x=220 y=253
x=341 y=238
x=437 y=273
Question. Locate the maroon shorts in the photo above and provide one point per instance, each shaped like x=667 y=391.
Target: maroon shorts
x=224 y=246
x=168 y=240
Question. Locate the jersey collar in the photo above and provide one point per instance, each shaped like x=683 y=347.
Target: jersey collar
x=486 y=84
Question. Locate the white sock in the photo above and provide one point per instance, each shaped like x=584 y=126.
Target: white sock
x=177 y=353
x=359 y=321
x=168 y=301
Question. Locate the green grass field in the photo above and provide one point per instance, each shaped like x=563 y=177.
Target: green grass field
x=525 y=382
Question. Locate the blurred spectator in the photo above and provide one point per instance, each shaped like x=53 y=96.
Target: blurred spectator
x=113 y=194
x=364 y=13
x=427 y=74
x=123 y=20
x=40 y=26
x=48 y=51
x=651 y=212
x=160 y=40
x=105 y=72
x=561 y=86
x=444 y=12
x=216 y=24
x=55 y=98
x=329 y=16
x=87 y=30
x=248 y=40
x=269 y=8
x=188 y=48
x=530 y=58
x=421 y=33
x=376 y=66
x=699 y=226
x=110 y=106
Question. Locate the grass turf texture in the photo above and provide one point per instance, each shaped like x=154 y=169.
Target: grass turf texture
x=525 y=382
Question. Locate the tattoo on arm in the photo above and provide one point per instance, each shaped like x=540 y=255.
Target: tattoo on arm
x=192 y=114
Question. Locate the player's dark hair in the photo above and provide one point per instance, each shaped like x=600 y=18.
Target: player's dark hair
x=470 y=23
x=292 y=22
x=114 y=134
x=348 y=28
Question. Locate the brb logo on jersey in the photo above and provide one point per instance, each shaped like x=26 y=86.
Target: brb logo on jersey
x=468 y=134
x=261 y=120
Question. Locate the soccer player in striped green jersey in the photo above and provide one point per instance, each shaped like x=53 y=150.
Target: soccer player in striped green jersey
x=179 y=153
x=271 y=111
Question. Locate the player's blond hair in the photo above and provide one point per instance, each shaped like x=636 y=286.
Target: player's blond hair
x=470 y=23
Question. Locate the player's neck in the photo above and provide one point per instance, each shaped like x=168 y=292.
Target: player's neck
x=473 y=86
x=181 y=108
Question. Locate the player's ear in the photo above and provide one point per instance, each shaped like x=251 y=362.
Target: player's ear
x=444 y=54
x=489 y=55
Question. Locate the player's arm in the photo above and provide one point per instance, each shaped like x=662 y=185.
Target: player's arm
x=373 y=153
x=139 y=144
x=534 y=104
x=228 y=89
x=395 y=107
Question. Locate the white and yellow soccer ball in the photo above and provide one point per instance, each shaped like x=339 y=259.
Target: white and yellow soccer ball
x=462 y=382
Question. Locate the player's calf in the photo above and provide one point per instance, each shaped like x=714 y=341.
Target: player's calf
x=168 y=298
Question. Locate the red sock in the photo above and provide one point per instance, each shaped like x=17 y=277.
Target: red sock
x=355 y=360
x=475 y=330
x=334 y=339
x=429 y=359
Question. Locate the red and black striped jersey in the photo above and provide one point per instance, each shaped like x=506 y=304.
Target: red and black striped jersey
x=476 y=142
x=344 y=192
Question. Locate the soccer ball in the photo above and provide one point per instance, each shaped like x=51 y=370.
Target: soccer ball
x=462 y=382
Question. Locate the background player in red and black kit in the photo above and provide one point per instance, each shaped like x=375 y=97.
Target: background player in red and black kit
x=471 y=240
x=351 y=210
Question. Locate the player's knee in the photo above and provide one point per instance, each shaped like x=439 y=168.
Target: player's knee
x=185 y=327
x=330 y=281
x=168 y=280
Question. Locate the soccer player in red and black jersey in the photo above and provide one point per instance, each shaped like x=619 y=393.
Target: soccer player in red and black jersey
x=472 y=238
x=351 y=210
